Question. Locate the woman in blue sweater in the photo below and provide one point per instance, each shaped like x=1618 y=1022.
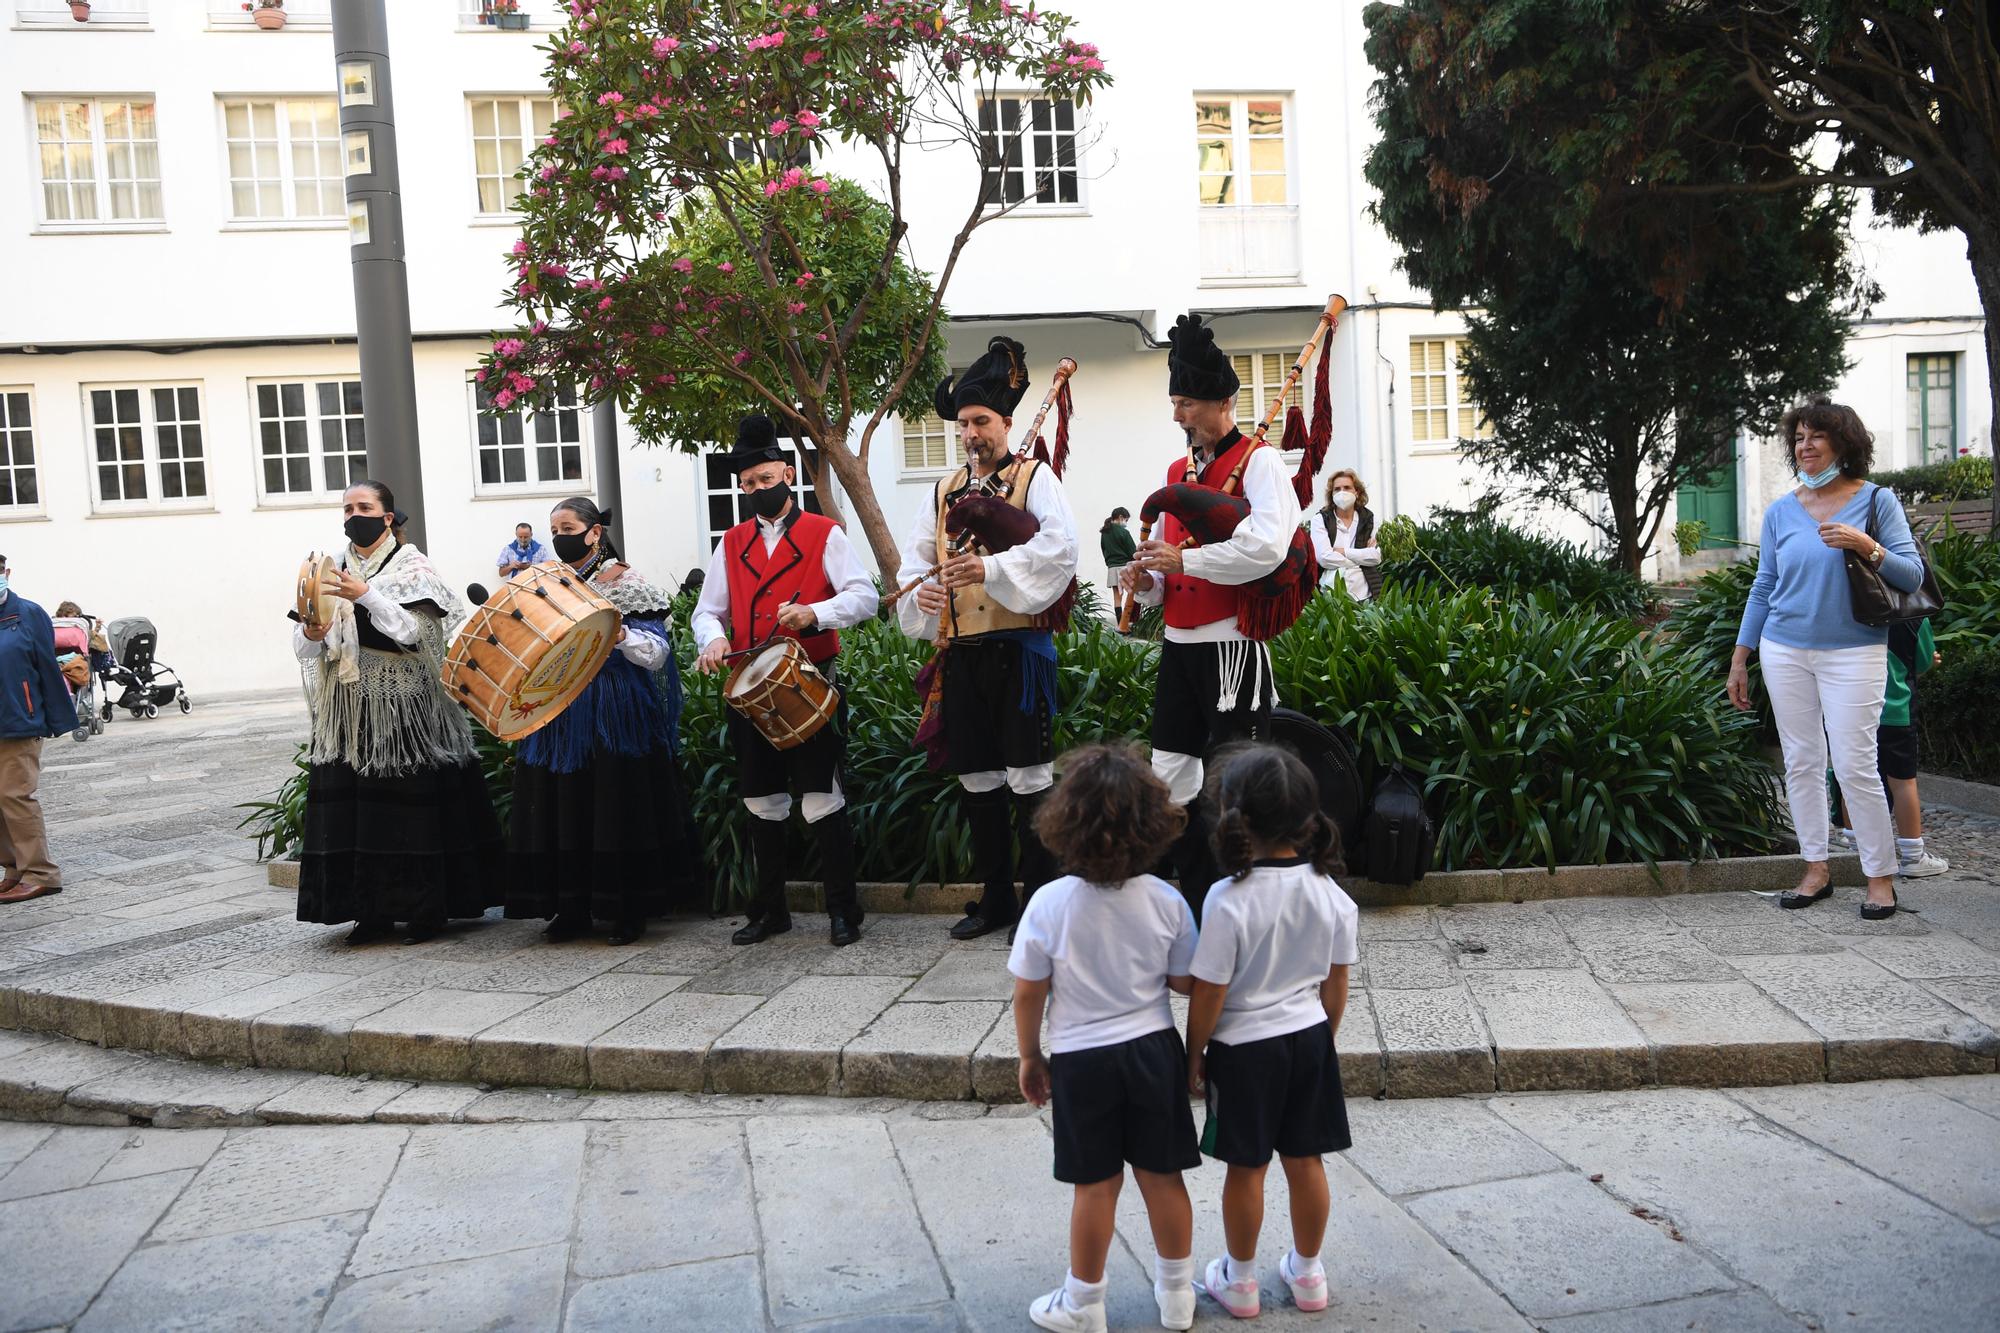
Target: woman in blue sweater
x=1826 y=672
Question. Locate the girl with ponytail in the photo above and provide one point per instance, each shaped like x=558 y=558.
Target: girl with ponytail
x=1270 y=984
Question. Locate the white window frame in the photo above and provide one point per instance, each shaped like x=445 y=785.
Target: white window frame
x=1457 y=400
x=804 y=494
x=320 y=492
x=287 y=178
x=1268 y=367
x=300 y=16
x=100 y=178
x=1240 y=157
x=105 y=16
x=541 y=18
x=581 y=484
x=1032 y=167
x=930 y=419
x=149 y=435
x=531 y=140
x=9 y=428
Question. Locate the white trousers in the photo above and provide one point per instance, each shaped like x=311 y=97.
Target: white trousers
x=1830 y=699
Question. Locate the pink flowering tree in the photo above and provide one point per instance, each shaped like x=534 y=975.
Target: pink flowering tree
x=682 y=251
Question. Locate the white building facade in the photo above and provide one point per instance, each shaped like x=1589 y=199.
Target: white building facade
x=179 y=387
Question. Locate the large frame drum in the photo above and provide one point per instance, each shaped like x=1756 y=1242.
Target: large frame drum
x=530 y=650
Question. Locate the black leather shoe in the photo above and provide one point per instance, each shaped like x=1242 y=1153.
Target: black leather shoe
x=975 y=924
x=762 y=928
x=1879 y=911
x=628 y=933
x=562 y=928
x=421 y=931
x=845 y=930
x=367 y=932
x=1791 y=898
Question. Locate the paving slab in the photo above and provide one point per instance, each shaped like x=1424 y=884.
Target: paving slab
x=511 y=1105
x=792 y=1043
x=1558 y=1029
x=17 y=1140
x=841 y=1235
x=199 y=1286
x=1726 y=1034
x=545 y=1044
x=1974 y=1090
x=429 y=1104
x=716 y=1296
x=636 y=1177
x=1927 y=957
x=996 y=1063
x=1506 y=935
x=312 y=1033
x=759 y=969
x=62 y=1248
x=1398 y=923
x=175 y=1093
x=1876 y=1025
x=1410 y=1147
x=286 y=1173
x=501 y=1293
x=1726 y=1312
x=1423 y=964
x=1776 y=934
x=890 y=946
x=1358 y=1045
x=665 y=1046
x=965 y=974
x=69 y=1157
x=220 y=1028
x=546 y=969
x=918 y=1050
x=1434 y=1043
x=330 y=1099
x=1635 y=956
x=1977 y=996
x=684 y=949
x=429 y=1035
x=465 y=1191
x=145 y=1152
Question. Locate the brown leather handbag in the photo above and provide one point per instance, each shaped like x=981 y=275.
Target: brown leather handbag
x=1878 y=602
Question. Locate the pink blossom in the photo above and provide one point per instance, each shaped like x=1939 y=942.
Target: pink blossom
x=780 y=126
x=520 y=247
x=796 y=307
x=666 y=46
x=822 y=186
x=811 y=57
x=771 y=188
x=607 y=99
x=479 y=377
x=548 y=173
x=683 y=266
x=554 y=270
x=657 y=330
x=505 y=398
x=740 y=357
x=812 y=11
x=646 y=110
x=726 y=266
x=794 y=178
x=616 y=147
x=605 y=304
x=809 y=119
x=507 y=347
x=576 y=48
x=803 y=279
x=539 y=326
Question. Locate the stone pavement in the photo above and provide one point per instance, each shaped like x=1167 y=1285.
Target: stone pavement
x=169 y=940
x=1854 y=1206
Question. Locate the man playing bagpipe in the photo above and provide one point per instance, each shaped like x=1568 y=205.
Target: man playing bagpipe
x=994 y=613
x=784 y=571
x=1214 y=683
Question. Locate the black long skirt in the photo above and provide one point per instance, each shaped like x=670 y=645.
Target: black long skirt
x=613 y=841
x=421 y=846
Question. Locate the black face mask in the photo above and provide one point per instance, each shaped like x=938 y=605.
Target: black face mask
x=769 y=502
x=364 y=530
x=570 y=546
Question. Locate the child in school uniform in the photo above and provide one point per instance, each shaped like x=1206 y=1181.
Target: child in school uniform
x=1270 y=983
x=1102 y=947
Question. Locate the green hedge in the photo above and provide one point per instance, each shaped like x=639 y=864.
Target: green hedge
x=1967 y=478
x=1472 y=549
x=1958 y=714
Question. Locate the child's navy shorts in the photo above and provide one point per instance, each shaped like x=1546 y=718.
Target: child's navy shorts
x=1123 y=1103
x=1281 y=1094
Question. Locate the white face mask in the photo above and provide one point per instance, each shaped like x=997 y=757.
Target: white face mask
x=1343 y=500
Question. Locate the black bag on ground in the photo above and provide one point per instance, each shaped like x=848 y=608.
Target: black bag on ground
x=1400 y=836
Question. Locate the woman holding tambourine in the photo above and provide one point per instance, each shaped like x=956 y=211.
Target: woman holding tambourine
x=398 y=826
x=602 y=829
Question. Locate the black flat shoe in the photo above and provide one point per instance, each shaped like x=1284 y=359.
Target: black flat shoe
x=762 y=928
x=975 y=925
x=367 y=932
x=630 y=933
x=1880 y=911
x=1793 y=898
x=845 y=930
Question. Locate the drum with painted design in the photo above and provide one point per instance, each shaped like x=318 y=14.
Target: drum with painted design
x=527 y=653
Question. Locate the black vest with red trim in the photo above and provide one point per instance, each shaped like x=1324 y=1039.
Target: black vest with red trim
x=1192 y=602
x=761 y=581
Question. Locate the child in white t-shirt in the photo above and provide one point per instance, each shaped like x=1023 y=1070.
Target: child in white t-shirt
x=1270 y=974
x=1102 y=947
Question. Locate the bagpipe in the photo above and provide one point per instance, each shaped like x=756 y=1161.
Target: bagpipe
x=1265 y=607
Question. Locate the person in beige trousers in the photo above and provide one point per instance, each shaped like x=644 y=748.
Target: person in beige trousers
x=34 y=705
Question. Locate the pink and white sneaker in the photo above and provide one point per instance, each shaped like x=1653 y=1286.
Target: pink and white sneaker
x=1308 y=1293
x=1239 y=1298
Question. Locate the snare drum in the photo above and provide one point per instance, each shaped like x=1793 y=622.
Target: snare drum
x=527 y=653
x=312 y=600
x=782 y=693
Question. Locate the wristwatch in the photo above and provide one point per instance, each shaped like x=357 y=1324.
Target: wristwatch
x=1875 y=556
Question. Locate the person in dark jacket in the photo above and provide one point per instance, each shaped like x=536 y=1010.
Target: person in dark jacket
x=34 y=705
x=1114 y=539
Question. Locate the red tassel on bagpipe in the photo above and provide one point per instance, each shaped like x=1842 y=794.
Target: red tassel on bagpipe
x=1294 y=438
x=1040 y=453
x=1064 y=406
x=1315 y=441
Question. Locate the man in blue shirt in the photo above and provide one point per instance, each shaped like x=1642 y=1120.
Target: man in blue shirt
x=523 y=551
x=34 y=705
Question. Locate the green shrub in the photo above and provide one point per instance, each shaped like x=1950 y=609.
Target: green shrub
x=279 y=824
x=1705 y=627
x=1546 y=735
x=1472 y=549
x=1967 y=478
x=1958 y=713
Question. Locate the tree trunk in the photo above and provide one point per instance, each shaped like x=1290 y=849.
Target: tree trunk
x=1984 y=252
x=1622 y=490
x=860 y=489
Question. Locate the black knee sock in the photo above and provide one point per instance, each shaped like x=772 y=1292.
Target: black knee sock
x=767 y=844
x=992 y=852
x=1038 y=864
x=835 y=835
x=1194 y=861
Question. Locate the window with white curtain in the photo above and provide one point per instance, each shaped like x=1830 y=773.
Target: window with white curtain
x=99 y=159
x=284 y=159
x=505 y=131
x=1441 y=407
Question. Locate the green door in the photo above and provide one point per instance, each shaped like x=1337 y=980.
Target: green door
x=1712 y=499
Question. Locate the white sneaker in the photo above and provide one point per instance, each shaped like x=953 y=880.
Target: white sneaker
x=1923 y=867
x=1846 y=838
x=1054 y=1312
x=1176 y=1306
x=1308 y=1293
x=1239 y=1298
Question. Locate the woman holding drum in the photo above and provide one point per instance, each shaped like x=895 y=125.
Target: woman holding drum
x=398 y=826
x=601 y=829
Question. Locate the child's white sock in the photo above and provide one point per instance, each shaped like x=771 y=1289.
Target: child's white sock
x=1303 y=1267
x=1078 y=1293
x=1173 y=1274
x=1848 y=834
x=1242 y=1270
x=1909 y=849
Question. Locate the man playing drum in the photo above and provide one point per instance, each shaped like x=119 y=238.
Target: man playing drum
x=994 y=617
x=785 y=572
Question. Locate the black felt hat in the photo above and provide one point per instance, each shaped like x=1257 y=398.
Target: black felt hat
x=756 y=442
x=1196 y=367
x=996 y=380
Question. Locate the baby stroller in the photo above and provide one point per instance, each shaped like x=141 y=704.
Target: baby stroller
x=73 y=655
x=145 y=685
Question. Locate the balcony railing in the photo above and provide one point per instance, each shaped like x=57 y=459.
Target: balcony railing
x=103 y=14
x=541 y=16
x=1249 y=243
x=307 y=15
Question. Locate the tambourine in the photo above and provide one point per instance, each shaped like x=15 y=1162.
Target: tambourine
x=314 y=599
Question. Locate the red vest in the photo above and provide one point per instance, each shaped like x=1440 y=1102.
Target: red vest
x=1192 y=602
x=792 y=571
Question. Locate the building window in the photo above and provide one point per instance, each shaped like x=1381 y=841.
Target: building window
x=104 y=15
x=505 y=131
x=1029 y=147
x=18 y=488
x=529 y=451
x=100 y=160
x=725 y=505
x=1441 y=408
x=1933 y=407
x=146 y=445
x=1248 y=223
x=284 y=159
x=1262 y=373
x=310 y=439
x=926 y=444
